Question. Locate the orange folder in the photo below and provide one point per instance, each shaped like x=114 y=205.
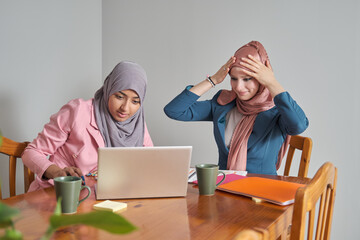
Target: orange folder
x=271 y=190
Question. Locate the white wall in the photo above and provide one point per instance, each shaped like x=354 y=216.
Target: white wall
x=314 y=50
x=50 y=52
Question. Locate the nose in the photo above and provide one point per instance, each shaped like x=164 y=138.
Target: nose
x=239 y=85
x=125 y=106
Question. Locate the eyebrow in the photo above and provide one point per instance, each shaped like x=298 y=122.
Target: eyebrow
x=126 y=95
x=241 y=77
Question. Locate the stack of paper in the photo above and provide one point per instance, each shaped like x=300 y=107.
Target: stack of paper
x=111 y=206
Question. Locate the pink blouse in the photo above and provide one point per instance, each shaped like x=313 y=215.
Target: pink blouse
x=71 y=138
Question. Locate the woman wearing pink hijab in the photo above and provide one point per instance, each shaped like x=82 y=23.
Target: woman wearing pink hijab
x=252 y=121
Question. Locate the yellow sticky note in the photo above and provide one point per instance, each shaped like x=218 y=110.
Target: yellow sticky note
x=111 y=206
x=257 y=200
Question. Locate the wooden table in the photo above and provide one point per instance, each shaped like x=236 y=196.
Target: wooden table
x=221 y=216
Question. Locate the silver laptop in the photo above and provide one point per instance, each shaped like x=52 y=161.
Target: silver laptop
x=143 y=172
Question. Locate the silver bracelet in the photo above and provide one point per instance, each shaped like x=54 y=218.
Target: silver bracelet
x=210 y=81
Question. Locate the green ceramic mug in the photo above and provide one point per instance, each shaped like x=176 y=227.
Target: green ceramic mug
x=206 y=177
x=68 y=188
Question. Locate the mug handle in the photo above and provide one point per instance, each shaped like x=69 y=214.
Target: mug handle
x=89 y=192
x=222 y=178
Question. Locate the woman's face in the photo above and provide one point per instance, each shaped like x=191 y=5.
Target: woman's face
x=124 y=104
x=243 y=85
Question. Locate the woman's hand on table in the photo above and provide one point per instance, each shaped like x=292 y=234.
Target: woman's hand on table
x=54 y=171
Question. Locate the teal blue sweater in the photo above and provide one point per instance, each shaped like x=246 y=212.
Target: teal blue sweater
x=269 y=132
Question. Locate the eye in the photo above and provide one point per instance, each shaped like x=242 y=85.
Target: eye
x=136 y=102
x=233 y=79
x=119 y=96
x=247 y=79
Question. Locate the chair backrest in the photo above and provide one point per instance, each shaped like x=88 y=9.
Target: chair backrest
x=320 y=192
x=305 y=145
x=14 y=150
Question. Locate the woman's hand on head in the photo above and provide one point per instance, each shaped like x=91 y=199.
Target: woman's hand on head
x=204 y=86
x=220 y=75
x=54 y=171
x=262 y=73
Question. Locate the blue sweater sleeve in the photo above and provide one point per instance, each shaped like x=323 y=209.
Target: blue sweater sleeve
x=293 y=120
x=185 y=107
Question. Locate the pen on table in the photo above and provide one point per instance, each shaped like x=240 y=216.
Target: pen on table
x=192 y=174
x=83 y=180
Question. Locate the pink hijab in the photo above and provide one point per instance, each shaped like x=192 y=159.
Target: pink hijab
x=262 y=101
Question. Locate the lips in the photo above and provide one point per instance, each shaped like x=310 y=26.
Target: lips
x=243 y=93
x=122 y=115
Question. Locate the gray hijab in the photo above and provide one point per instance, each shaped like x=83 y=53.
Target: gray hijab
x=130 y=133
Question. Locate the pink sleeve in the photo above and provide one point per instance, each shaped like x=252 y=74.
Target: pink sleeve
x=147 y=139
x=54 y=135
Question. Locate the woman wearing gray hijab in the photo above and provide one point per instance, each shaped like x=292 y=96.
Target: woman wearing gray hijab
x=113 y=118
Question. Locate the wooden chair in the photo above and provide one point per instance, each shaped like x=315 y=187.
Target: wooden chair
x=305 y=145
x=321 y=189
x=14 y=150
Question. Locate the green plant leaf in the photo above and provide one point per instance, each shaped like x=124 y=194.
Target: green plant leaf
x=6 y=223
x=51 y=229
x=48 y=233
x=107 y=221
x=57 y=210
x=6 y=213
x=12 y=234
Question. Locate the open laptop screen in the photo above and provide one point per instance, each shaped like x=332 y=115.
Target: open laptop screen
x=143 y=172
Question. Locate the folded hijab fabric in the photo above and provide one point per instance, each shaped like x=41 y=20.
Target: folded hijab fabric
x=130 y=133
x=262 y=101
